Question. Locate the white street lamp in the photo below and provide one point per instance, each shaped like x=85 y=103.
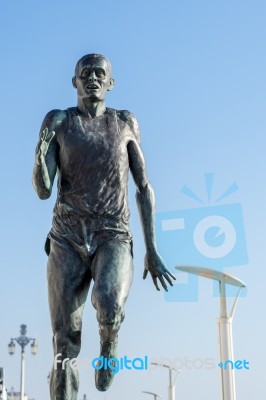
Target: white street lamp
x=11 y=348
x=172 y=381
x=34 y=347
x=224 y=324
x=22 y=340
x=156 y=396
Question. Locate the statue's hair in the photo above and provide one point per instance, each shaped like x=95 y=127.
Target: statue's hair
x=95 y=57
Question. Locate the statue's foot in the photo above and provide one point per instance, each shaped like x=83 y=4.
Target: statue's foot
x=105 y=376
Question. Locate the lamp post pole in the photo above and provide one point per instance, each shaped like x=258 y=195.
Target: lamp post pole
x=171 y=387
x=224 y=325
x=22 y=374
x=22 y=340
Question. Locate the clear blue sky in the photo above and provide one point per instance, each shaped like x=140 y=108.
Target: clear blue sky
x=193 y=73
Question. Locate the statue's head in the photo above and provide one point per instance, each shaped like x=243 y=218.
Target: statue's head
x=93 y=77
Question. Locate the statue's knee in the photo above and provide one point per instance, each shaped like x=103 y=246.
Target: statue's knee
x=110 y=319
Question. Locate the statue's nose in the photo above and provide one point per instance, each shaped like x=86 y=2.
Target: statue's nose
x=92 y=77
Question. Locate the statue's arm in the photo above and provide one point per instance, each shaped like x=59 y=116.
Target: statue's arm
x=46 y=154
x=146 y=206
x=144 y=194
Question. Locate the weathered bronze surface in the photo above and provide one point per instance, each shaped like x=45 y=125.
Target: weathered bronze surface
x=92 y=148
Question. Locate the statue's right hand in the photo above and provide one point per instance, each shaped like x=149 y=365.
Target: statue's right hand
x=44 y=142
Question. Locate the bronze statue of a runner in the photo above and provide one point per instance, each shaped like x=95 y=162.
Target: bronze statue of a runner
x=92 y=148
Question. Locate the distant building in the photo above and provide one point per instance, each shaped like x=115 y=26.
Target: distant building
x=8 y=395
x=12 y=395
x=2 y=385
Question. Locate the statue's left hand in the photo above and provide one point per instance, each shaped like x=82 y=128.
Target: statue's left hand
x=155 y=265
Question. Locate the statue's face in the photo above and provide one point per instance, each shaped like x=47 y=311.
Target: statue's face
x=93 y=79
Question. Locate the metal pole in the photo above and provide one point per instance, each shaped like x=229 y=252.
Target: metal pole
x=22 y=374
x=226 y=348
x=171 y=387
x=171 y=393
x=23 y=341
x=224 y=326
x=226 y=353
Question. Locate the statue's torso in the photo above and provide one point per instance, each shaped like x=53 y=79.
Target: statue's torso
x=93 y=165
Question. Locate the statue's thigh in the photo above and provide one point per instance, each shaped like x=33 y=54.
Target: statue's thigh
x=112 y=271
x=69 y=279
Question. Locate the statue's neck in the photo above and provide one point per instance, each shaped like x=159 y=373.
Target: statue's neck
x=92 y=109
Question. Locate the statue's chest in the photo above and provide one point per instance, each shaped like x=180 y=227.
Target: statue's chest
x=93 y=142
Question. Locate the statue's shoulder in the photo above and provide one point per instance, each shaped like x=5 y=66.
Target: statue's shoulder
x=55 y=119
x=131 y=121
x=126 y=116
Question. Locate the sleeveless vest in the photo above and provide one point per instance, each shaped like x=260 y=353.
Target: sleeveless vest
x=93 y=166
